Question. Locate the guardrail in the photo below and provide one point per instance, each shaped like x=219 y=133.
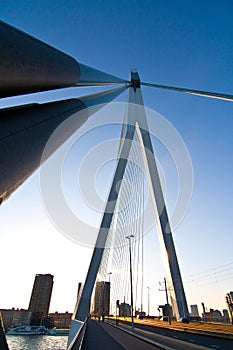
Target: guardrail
x=77 y=332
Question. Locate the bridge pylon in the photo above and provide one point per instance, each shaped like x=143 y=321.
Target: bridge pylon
x=135 y=122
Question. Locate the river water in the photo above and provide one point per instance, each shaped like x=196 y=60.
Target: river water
x=37 y=342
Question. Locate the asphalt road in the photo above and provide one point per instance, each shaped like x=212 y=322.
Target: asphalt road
x=180 y=340
x=103 y=336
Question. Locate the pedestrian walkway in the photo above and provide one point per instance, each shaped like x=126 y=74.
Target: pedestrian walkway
x=103 y=336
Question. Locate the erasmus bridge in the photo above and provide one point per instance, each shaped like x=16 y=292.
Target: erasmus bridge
x=28 y=66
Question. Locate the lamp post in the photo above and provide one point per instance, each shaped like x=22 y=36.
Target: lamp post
x=168 y=305
x=148 y=301
x=165 y=285
x=131 y=279
x=109 y=274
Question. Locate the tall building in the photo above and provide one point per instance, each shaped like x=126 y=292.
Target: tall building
x=229 y=301
x=194 y=311
x=226 y=318
x=102 y=298
x=40 y=298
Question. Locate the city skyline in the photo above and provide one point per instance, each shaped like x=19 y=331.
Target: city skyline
x=196 y=56
x=43 y=284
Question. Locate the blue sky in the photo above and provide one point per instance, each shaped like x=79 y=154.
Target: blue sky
x=180 y=43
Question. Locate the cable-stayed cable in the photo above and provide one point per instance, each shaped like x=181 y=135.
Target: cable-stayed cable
x=127 y=220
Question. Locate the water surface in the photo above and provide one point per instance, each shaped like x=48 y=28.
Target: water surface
x=36 y=342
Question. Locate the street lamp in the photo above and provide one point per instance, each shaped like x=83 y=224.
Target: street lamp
x=148 y=301
x=165 y=285
x=168 y=305
x=109 y=274
x=131 y=278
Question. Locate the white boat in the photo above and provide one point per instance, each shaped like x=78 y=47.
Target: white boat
x=27 y=330
x=55 y=331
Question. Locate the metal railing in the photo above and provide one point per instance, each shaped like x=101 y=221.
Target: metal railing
x=76 y=342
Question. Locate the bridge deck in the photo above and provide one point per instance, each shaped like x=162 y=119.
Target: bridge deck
x=101 y=336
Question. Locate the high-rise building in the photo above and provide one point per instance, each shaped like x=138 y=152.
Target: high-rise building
x=229 y=301
x=194 y=311
x=102 y=298
x=226 y=318
x=40 y=298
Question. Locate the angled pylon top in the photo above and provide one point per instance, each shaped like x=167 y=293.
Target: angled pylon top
x=135 y=79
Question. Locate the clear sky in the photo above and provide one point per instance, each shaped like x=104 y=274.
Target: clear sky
x=180 y=43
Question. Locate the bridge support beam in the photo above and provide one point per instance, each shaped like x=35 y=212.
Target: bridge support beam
x=28 y=65
x=137 y=115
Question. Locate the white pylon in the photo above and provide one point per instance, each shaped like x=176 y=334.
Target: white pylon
x=135 y=121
